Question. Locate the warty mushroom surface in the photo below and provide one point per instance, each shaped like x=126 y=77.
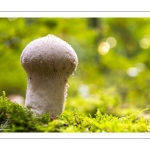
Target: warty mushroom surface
x=48 y=62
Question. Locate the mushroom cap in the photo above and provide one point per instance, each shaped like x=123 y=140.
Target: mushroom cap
x=49 y=56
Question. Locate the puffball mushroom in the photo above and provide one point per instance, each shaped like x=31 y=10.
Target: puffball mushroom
x=48 y=62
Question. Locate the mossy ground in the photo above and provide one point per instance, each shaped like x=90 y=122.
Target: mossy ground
x=15 y=118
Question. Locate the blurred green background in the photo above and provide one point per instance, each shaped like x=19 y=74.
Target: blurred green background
x=113 y=73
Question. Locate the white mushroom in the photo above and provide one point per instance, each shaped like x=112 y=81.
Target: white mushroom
x=48 y=62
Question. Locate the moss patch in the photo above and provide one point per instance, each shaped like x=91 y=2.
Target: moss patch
x=15 y=118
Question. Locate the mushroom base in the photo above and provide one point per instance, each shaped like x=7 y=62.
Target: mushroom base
x=46 y=96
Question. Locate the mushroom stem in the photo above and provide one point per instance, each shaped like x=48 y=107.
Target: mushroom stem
x=45 y=96
x=48 y=62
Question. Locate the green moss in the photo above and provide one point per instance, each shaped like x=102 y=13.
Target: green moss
x=15 y=118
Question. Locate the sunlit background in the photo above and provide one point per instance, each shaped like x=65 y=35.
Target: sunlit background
x=113 y=74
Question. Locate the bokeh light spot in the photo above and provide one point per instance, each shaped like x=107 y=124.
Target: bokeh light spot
x=12 y=19
x=141 y=66
x=145 y=43
x=83 y=90
x=111 y=41
x=103 y=48
x=133 y=72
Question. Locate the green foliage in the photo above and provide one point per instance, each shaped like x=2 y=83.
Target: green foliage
x=15 y=118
